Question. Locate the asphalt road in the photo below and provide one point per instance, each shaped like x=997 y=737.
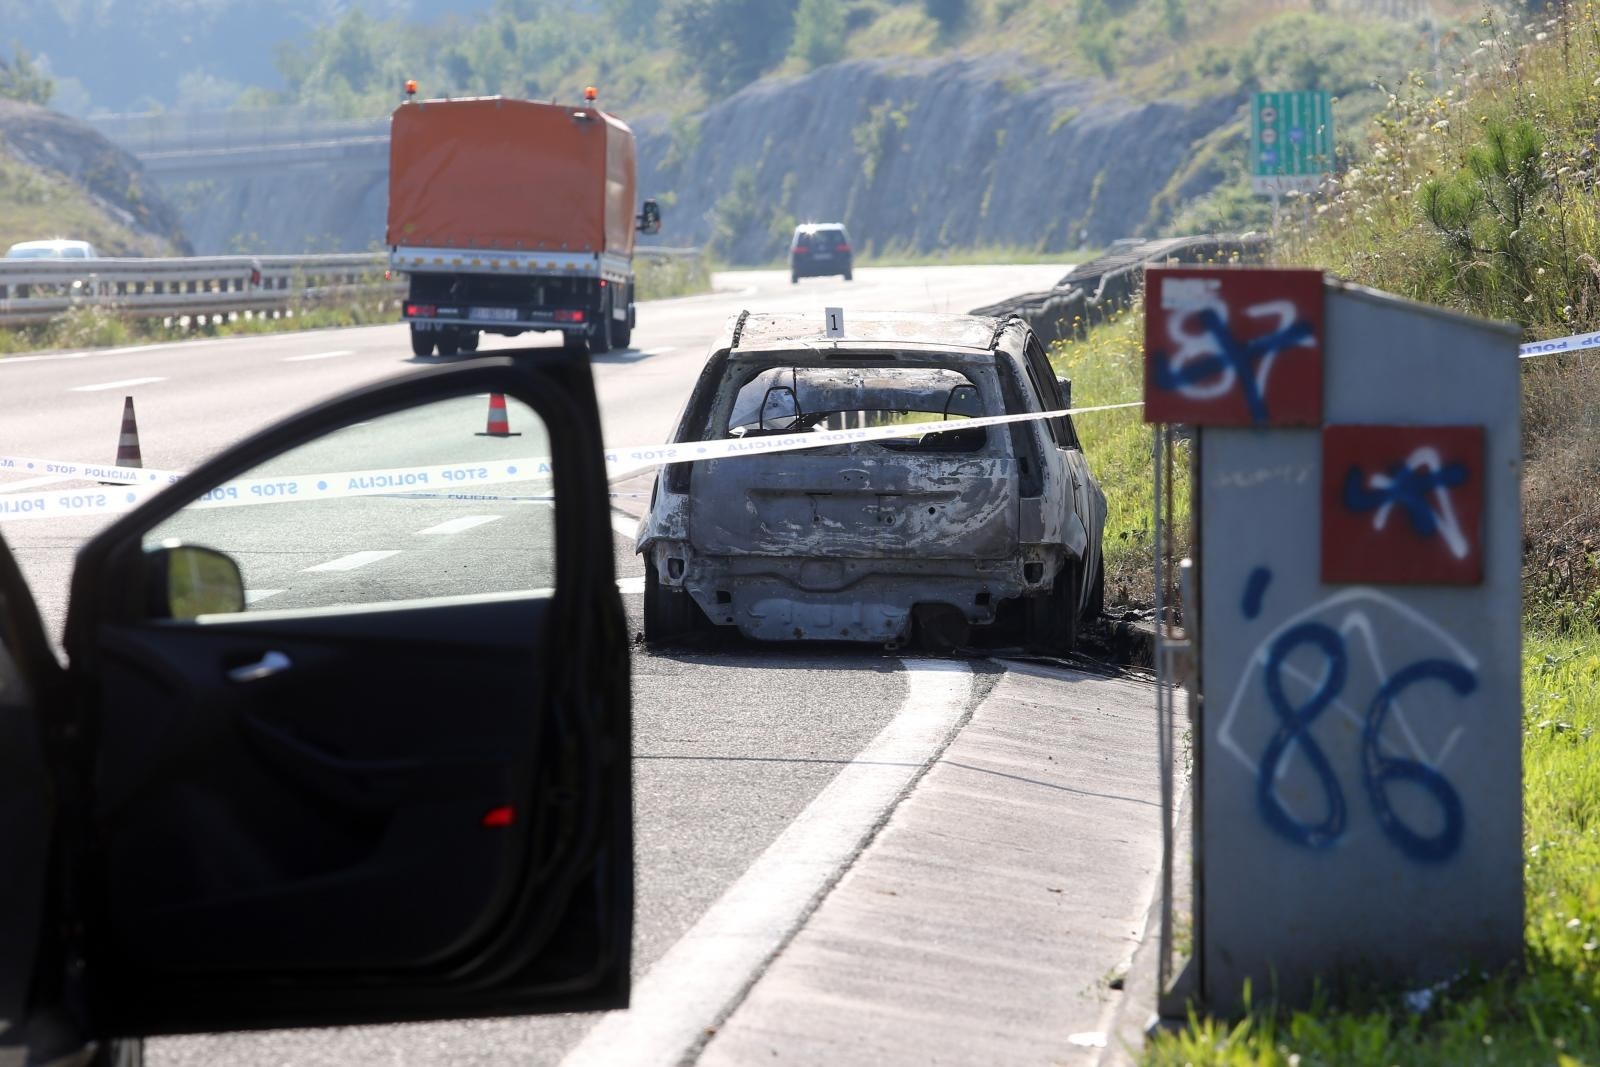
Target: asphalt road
x=733 y=750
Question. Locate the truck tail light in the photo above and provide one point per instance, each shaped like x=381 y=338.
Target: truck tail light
x=421 y=311
x=564 y=315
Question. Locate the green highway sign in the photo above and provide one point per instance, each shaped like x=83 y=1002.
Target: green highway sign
x=1291 y=141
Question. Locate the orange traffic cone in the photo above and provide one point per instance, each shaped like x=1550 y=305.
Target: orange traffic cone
x=128 y=443
x=499 y=423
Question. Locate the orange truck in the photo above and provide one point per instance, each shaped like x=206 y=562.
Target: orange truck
x=508 y=216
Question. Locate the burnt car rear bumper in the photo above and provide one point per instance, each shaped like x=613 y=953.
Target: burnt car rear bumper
x=776 y=598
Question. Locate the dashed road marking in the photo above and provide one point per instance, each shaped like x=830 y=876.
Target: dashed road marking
x=352 y=561
x=657 y=351
x=125 y=383
x=626 y=526
x=319 y=355
x=702 y=978
x=466 y=522
x=252 y=596
x=633 y=584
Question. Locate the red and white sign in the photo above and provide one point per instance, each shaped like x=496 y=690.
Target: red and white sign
x=1402 y=504
x=1233 y=346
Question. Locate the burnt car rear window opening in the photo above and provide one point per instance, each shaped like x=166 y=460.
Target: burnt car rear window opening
x=789 y=399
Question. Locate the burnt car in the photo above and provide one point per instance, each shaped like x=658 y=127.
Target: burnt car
x=877 y=540
x=818 y=249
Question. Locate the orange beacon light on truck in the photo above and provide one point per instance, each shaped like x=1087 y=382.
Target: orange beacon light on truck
x=590 y=93
x=411 y=88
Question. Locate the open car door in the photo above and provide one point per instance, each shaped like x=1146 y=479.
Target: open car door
x=345 y=729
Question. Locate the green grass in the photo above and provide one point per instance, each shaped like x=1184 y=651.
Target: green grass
x=658 y=279
x=1106 y=367
x=1548 y=1015
x=35 y=205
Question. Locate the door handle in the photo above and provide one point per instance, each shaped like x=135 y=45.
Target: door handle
x=270 y=663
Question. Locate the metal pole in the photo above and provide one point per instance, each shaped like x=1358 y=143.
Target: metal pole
x=1163 y=711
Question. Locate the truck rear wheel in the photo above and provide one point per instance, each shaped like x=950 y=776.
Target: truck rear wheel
x=449 y=342
x=622 y=332
x=469 y=340
x=600 y=330
x=421 y=342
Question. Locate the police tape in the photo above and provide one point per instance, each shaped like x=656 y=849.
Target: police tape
x=1556 y=345
x=96 y=472
x=621 y=461
x=427 y=482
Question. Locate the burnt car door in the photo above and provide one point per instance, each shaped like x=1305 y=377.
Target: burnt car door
x=1085 y=501
x=395 y=785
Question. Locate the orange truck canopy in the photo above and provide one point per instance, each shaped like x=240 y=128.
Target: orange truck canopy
x=510 y=175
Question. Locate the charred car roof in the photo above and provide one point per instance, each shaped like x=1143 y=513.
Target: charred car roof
x=863 y=331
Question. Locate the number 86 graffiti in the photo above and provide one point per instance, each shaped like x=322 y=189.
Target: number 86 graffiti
x=1378 y=771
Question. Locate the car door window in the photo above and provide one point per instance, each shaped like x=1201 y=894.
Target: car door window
x=451 y=498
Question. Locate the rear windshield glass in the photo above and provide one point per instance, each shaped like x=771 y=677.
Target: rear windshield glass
x=780 y=400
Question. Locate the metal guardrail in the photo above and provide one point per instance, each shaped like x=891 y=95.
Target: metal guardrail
x=36 y=290
x=1093 y=291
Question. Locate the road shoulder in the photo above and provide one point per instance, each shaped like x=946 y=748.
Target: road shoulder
x=987 y=919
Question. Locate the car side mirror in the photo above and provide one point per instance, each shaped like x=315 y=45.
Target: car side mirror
x=183 y=582
x=1066 y=391
x=649 y=217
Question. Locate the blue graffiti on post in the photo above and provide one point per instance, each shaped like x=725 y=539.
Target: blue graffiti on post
x=1407 y=487
x=1238 y=357
x=1378 y=771
x=1293 y=729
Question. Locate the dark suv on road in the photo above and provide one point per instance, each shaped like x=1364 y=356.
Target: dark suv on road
x=820 y=248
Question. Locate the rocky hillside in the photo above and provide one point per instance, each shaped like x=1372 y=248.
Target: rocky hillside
x=921 y=155
x=59 y=178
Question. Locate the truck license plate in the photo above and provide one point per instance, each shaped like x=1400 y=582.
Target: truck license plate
x=494 y=314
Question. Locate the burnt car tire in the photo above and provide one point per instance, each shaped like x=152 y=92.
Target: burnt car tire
x=1097 y=594
x=1052 y=619
x=670 y=615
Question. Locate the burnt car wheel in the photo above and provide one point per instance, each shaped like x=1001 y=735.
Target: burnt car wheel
x=669 y=614
x=1052 y=619
x=1097 y=593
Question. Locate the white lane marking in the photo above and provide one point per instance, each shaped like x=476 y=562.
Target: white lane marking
x=626 y=526
x=352 y=561
x=700 y=979
x=123 y=384
x=29 y=483
x=466 y=522
x=253 y=595
x=320 y=355
x=4 y=360
x=657 y=351
x=634 y=584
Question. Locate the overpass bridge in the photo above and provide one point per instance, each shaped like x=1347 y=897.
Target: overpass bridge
x=206 y=145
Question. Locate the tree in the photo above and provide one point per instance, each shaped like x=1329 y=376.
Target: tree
x=727 y=44
x=22 y=79
x=819 y=32
x=949 y=14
